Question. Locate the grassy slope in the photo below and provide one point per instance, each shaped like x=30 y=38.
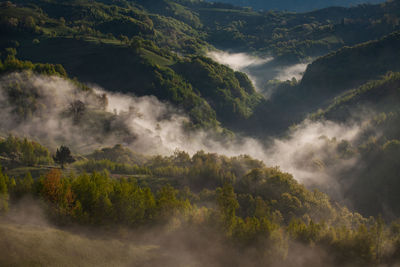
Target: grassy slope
x=89 y=61
x=32 y=245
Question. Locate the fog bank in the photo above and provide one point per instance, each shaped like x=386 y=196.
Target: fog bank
x=238 y=61
x=260 y=70
x=149 y=126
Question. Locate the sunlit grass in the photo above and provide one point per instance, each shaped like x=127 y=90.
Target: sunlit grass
x=26 y=245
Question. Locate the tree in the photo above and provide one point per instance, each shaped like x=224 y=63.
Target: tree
x=63 y=156
x=3 y=193
x=23 y=186
x=52 y=187
x=227 y=204
x=124 y=39
x=77 y=109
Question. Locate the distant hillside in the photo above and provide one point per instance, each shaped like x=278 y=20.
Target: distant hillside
x=293 y=5
x=379 y=96
x=157 y=48
x=351 y=66
x=372 y=185
x=291 y=37
x=326 y=78
x=127 y=49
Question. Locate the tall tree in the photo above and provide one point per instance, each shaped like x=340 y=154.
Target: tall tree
x=63 y=156
x=3 y=192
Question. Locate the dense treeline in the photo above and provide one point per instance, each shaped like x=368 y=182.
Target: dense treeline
x=363 y=62
x=9 y=63
x=142 y=42
x=291 y=37
x=292 y=5
x=160 y=81
x=374 y=105
x=134 y=53
x=15 y=151
x=324 y=80
x=269 y=211
x=235 y=96
x=157 y=48
x=27 y=100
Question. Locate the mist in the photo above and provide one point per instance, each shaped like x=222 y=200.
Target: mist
x=295 y=71
x=30 y=238
x=242 y=62
x=146 y=125
x=260 y=70
x=309 y=151
x=149 y=126
x=238 y=61
x=143 y=123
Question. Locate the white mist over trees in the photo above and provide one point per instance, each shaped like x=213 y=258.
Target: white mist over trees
x=262 y=71
x=151 y=127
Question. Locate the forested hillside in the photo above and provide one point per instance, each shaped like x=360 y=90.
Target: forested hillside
x=137 y=47
x=134 y=65
x=196 y=133
x=292 y=37
x=325 y=79
x=260 y=214
x=376 y=106
x=291 y=5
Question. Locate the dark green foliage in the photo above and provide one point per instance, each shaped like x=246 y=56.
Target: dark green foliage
x=126 y=26
x=23 y=186
x=327 y=78
x=230 y=93
x=294 y=36
x=363 y=62
x=292 y=5
x=119 y=154
x=63 y=156
x=256 y=209
x=377 y=146
x=155 y=47
x=227 y=205
x=15 y=151
x=87 y=30
x=113 y=167
x=381 y=95
x=142 y=70
x=3 y=192
x=103 y=34
x=98 y=200
x=11 y=64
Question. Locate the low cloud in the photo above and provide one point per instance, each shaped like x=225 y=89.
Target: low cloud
x=238 y=61
x=294 y=71
x=149 y=126
x=260 y=70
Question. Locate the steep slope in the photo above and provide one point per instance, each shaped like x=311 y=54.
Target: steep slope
x=147 y=47
x=352 y=66
x=324 y=79
x=373 y=184
x=134 y=64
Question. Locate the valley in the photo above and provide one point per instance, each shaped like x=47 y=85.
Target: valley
x=192 y=133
